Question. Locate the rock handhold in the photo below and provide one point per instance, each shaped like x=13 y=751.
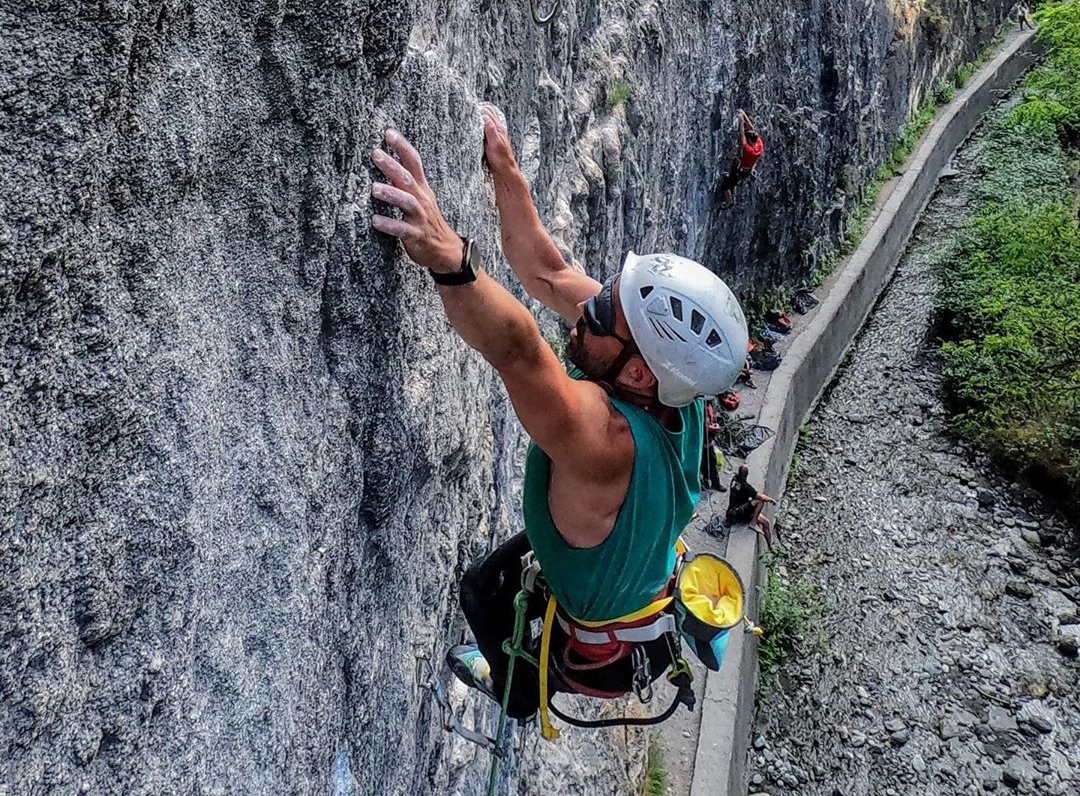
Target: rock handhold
x=1019 y=588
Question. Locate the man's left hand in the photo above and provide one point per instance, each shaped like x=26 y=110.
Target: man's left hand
x=427 y=237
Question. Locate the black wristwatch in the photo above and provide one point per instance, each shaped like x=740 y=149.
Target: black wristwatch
x=470 y=261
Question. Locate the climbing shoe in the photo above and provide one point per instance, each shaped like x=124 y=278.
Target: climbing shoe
x=470 y=667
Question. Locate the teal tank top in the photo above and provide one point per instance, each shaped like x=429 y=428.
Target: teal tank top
x=627 y=570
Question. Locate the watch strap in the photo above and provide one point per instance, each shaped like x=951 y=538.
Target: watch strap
x=464 y=275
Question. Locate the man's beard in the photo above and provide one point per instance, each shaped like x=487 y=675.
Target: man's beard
x=581 y=359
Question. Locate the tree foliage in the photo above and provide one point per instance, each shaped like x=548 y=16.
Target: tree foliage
x=1052 y=92
x=1010 y=292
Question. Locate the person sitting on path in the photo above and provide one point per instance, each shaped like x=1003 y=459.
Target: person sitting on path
x=611 y=475
x=745 y=504
x=751 y=148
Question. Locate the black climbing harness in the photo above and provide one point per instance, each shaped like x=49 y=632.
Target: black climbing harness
x=679 y=676
x=427 y=679
x=628 y=634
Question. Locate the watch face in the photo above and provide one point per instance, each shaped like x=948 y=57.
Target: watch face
x=473 y=255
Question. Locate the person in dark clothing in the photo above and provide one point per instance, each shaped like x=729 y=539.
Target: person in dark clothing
x=1020 y=10
x=745 y=504
x=488 y=590
x=710 y=475
x=751 y=148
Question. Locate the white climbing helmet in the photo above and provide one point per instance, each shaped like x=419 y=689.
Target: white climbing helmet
x=686 y=323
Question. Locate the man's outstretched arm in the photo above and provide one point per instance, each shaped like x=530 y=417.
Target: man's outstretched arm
x=567 y=418
x=532 y=254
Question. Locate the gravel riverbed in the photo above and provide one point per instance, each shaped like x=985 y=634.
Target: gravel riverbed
x=947 y=660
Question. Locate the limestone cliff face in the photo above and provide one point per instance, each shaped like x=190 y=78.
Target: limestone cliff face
x=243 y=460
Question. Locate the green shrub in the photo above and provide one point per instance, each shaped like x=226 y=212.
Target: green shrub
x=964 y=73
x=944 y=93
x=618 y=94
x=1021 y=163
x=910 y=134
x=789 y=613
x=856 y=223
x=1052 y=91
x=655 y=773
x=1011 y=301
x=826 y=266
x=855 y=226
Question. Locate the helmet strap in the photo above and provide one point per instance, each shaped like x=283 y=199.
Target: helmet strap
x=607 y=378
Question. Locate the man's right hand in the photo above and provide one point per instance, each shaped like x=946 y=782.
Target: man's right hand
x=497 y=150
x=428 y=239
x=529 y=249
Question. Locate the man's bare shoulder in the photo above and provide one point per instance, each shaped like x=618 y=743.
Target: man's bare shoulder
x=598 y=443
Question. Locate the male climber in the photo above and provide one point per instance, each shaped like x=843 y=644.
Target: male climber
x=611 y=477
x=742 y=166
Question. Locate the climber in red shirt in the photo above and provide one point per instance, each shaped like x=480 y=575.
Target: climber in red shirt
x=750 y=148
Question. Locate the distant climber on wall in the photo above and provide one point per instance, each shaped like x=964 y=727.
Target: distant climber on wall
x=745 y=504
x=742 y=165
x=611 y=476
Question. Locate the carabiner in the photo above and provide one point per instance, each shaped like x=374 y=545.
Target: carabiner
x=642 y=681
x=539 y=20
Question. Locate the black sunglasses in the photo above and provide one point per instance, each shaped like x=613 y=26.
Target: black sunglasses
x=599 y=312
x=598 y=315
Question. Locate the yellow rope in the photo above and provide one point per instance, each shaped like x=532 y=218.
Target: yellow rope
x=549 y=732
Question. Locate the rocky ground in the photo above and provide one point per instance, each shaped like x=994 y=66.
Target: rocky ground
x=947 y=659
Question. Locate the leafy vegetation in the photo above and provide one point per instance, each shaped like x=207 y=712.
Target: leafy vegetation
x=655 y=773
x=756 y=305
x=964 y=73
x=910 y=134
x=618 y=94
x=944 y=93
x=789 y=613
x=805 y=435
x=1009 y=300
x=1052 y=91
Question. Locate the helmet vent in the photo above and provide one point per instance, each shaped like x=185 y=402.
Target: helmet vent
x=713 y=340
x=645 y=291
x=697 y=321
x=676 y=308
x=663 y=330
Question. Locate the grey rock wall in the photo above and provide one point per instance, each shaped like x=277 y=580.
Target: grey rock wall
x=243 y=461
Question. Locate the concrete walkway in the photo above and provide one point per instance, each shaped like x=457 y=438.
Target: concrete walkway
x=812 y=352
